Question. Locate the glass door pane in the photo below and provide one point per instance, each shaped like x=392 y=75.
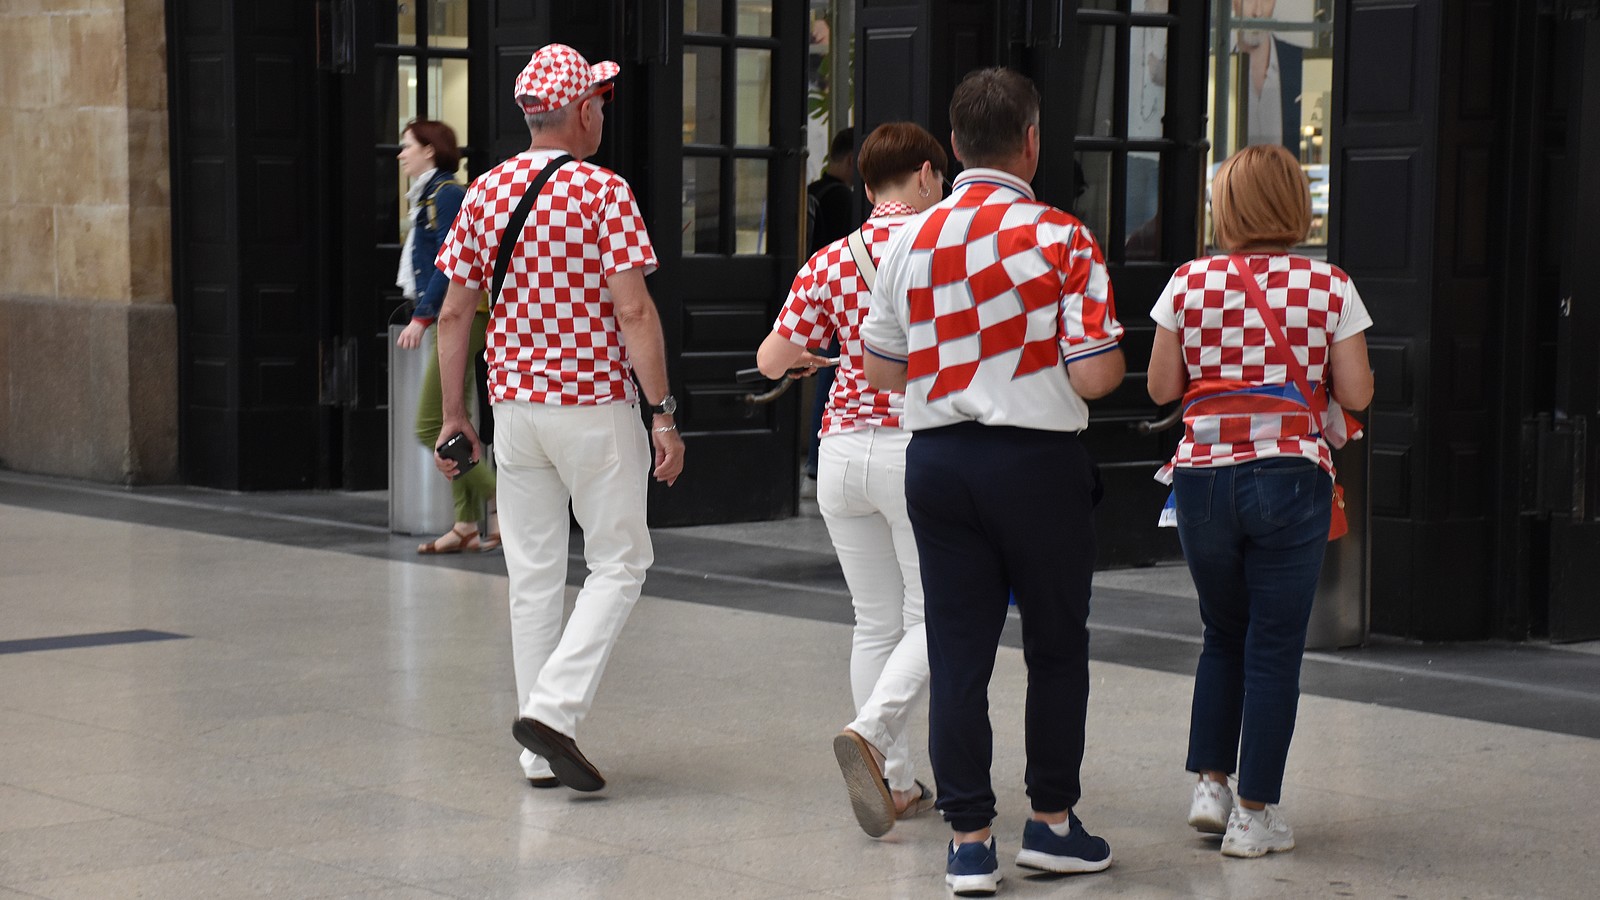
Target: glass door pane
x=702 y=16
x=754 y=98
x=750 y=215
x=1098 y=53
x=447 y=93
x=1147 y=82
x=755 y=18
x=1094 y=204
x=702 y=95
x=447 y=23
x=702 y=205
x=1143 y=220
x=405 y=16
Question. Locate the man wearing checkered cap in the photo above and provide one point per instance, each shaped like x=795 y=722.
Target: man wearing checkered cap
x=993 y=313
x=571 y=329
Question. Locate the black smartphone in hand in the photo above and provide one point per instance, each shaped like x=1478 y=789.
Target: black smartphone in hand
x=459 y=449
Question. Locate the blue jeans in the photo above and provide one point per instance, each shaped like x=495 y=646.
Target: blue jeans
x=1254 y=536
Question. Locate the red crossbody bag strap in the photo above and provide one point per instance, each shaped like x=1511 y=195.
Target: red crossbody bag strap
x=1297 y=372
x=1338 y=524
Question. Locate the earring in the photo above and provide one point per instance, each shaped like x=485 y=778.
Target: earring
x=924 y=192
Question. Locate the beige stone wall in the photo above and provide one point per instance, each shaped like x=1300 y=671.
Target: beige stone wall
x=88 y=338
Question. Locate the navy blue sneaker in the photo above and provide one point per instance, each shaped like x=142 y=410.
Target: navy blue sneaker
x=972 y=869
x=1078 y=852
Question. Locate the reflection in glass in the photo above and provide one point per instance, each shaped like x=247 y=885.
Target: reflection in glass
x=755 y=18
x=702 y=205
x=1094 y=204
x=750 y=210
x=447 y=23
x=754 y=115
x=396 y=90
x=1147 y=82
x=1097 y=48
x=703 y=16
x=702 y=95
x=447 y=93
x=1104 y=4
x=1143 y=209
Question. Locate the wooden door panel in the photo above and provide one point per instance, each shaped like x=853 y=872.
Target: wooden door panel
x=716 y=307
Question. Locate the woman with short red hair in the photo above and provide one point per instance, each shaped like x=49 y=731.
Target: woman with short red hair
x=1254 y=340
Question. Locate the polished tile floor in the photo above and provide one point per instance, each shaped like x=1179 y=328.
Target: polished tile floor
x=330 y=718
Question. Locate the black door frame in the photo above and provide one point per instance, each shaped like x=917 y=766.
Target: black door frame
x=716 y=307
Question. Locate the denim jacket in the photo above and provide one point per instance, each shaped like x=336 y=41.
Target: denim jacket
x=440 y=202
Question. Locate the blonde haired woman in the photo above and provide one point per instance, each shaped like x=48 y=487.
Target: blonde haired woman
x=1253 y=474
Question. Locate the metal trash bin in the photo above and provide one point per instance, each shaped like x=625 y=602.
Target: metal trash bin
x=419 y=497
x=1339 y=615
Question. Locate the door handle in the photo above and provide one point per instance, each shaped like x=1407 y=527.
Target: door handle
x=1152 y=426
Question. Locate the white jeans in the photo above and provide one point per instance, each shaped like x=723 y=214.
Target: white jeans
x=861 y=478
x=597 y=457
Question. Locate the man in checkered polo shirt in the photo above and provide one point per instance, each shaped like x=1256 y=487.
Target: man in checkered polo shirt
x=993 y=313
x=572 y=325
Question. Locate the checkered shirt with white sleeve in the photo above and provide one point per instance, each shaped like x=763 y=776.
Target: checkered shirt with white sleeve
x=553 y=335
x=986 y=298
x=1245 y=408
x=829 y=297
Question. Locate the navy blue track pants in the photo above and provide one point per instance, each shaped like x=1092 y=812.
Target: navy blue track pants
x=1001 y=512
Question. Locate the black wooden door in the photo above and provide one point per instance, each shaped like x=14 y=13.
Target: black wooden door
x=406 y=60
x=723 y=207
x=246 y=99
x=1122 y=147
x=1122 y=140
x=1575 y=532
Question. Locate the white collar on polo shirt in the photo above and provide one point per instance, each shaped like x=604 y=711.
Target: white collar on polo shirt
x=980 y=175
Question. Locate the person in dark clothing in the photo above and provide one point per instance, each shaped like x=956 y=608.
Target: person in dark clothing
x=828 y=207
x=829 y=216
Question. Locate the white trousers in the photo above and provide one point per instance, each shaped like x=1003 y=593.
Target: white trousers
x=598 y=459
x=861 y=479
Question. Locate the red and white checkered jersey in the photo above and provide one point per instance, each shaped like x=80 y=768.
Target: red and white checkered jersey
x=553 y=335
x=829 y=297
x=1226 y=346
x=986 y=297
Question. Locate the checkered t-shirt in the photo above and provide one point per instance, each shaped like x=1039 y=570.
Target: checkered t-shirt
x=553 y=336
x=987 y=297
x=829 y=297
x=1238 y=407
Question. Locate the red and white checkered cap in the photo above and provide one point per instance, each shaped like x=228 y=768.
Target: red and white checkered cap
x=558 y=75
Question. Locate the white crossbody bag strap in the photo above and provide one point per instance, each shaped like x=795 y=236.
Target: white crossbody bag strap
x=864 y=264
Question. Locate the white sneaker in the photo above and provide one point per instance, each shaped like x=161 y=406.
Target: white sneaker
x=1254 y=833
x=1208 y=811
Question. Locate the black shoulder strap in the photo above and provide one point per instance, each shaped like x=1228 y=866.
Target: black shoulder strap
x=519 y=217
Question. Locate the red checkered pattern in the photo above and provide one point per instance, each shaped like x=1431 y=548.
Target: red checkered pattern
x=996 y=262
x=1226 y=347
x=985 y=297
x=553 y=336
x=829 y=297
x=556 y=76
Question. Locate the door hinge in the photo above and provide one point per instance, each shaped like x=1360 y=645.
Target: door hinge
x=337 y=386
x=1553 y=465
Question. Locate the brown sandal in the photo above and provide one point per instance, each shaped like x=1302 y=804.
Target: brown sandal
x=464 y=541
x=489 y=543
